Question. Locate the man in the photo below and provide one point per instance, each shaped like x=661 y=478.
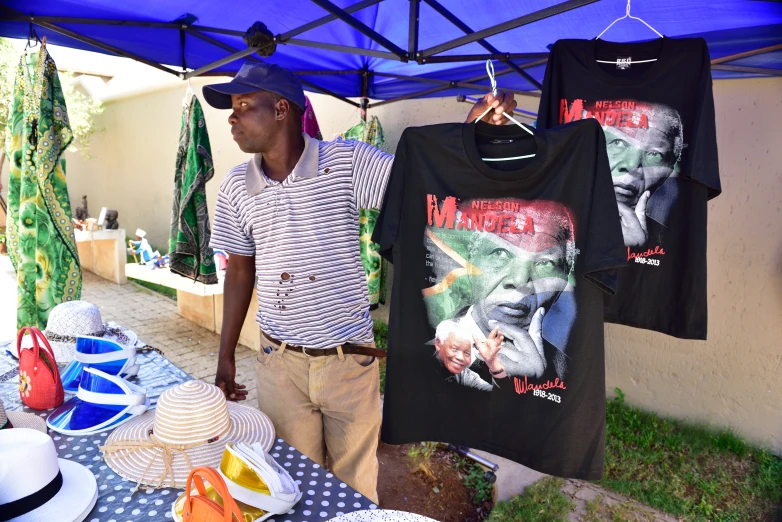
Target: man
x=518 y=278
x=457 y=351
x=642 y=157
x=289 y=218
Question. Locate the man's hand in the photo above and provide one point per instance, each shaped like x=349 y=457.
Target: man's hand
x=525 y=355
x=224 y=379
x=504 y=102
x=634 y=227
x=489 y=349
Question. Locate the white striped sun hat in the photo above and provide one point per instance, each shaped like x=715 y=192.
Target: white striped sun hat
x=189 y=427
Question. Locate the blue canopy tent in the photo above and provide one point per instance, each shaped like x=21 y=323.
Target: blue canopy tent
x=390 y=50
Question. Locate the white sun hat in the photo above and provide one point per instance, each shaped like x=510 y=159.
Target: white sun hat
x=381 y=515
x=189 y=427
x=49 y=488
x=73 y=319
x=20 y=419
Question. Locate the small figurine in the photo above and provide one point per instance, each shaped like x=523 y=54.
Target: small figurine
x=141 y=247
x=111 y=220
x=81 y=213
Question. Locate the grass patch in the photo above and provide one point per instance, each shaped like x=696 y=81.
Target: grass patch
x=163 y=290
x=693 y=472
x=540 y=502
x=381 y=341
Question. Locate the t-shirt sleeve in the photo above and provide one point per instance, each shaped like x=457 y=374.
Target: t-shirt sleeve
x=390 y=217
x=605 y=249
x=702 y=157
x=228 y=233
x=371 y=168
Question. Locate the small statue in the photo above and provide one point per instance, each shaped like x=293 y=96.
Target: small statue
x=149 y=257
x=81 y=213
x=111 y=220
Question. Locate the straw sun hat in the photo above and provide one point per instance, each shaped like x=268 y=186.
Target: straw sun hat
x=189 y=427
x=20 y=419
x=73 y=319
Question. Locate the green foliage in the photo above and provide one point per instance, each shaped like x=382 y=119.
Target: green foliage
x=540 y=502
x=474 y=479
x=381 y=341
x=82 y=108
x=690 y=471
x=422 y=452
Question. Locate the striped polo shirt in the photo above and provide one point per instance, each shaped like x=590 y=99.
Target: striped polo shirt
x=304 y=234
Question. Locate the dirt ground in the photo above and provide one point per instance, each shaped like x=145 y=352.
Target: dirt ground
x=441 y=495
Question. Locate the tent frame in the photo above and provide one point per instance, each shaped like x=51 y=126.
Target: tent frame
x=392 y=52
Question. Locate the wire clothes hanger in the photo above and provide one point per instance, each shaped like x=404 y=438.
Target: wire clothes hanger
x=628 y=15
x=189 y=94
x=493 y=80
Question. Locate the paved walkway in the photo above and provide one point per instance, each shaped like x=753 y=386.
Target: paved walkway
x=194 y=349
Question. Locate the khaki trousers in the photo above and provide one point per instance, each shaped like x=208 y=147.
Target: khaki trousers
x=324 y=407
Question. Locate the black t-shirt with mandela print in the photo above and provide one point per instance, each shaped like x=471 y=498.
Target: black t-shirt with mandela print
x=657 y=111
x=496 y=332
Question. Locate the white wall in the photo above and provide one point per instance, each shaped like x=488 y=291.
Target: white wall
x=733 y=379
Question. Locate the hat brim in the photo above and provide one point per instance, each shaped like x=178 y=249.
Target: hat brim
x=219 y=95
x=74 y=501
x=146 y=465
x=381 y=515
x=20 y=419
x=77 y=417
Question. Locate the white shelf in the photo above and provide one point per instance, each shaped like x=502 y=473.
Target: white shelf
x=164 y=277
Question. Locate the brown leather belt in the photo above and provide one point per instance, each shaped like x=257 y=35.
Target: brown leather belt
x=347 y=349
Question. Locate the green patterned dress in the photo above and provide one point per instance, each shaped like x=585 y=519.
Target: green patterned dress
x=189 y=251
x=41 y=243
x=375 y=267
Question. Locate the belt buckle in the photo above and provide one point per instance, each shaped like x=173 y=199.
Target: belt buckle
x=304 y=351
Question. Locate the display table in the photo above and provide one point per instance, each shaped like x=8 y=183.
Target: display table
x=323 y=495
x=103 y=252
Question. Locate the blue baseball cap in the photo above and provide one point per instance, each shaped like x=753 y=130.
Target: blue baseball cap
x=254 y=77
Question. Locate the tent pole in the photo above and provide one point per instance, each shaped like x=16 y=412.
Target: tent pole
x=483 y=57
x=228 y=59
x=364 y=94
x=361 y=27
x=445 y=13
x=506 y=26
x=412 y=31
x=469 y=82
x=749 y=70
x=101 y=45
x=87 y=21
x=746 y=54
x=343 y=49
x=330 y=93
x=449 y=83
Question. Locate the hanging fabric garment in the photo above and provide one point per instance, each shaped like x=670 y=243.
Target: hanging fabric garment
x=375 y=267
x=190 y=254
x=309 y=122
x=41 y=243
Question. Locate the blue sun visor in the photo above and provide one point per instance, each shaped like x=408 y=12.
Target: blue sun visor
x=102 y=402
x=102 y=354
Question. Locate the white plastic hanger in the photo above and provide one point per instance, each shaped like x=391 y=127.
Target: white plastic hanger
x=493 y=80
x=628 y=15
x=189 y=93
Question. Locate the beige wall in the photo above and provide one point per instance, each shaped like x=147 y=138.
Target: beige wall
x=732 y=380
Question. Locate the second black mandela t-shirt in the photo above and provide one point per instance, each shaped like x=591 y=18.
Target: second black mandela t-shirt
x=657 y=111
x=496 y=329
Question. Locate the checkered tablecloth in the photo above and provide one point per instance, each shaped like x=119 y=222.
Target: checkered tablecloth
x=324 y=495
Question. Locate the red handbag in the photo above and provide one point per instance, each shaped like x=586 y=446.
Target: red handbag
x=40 y=387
